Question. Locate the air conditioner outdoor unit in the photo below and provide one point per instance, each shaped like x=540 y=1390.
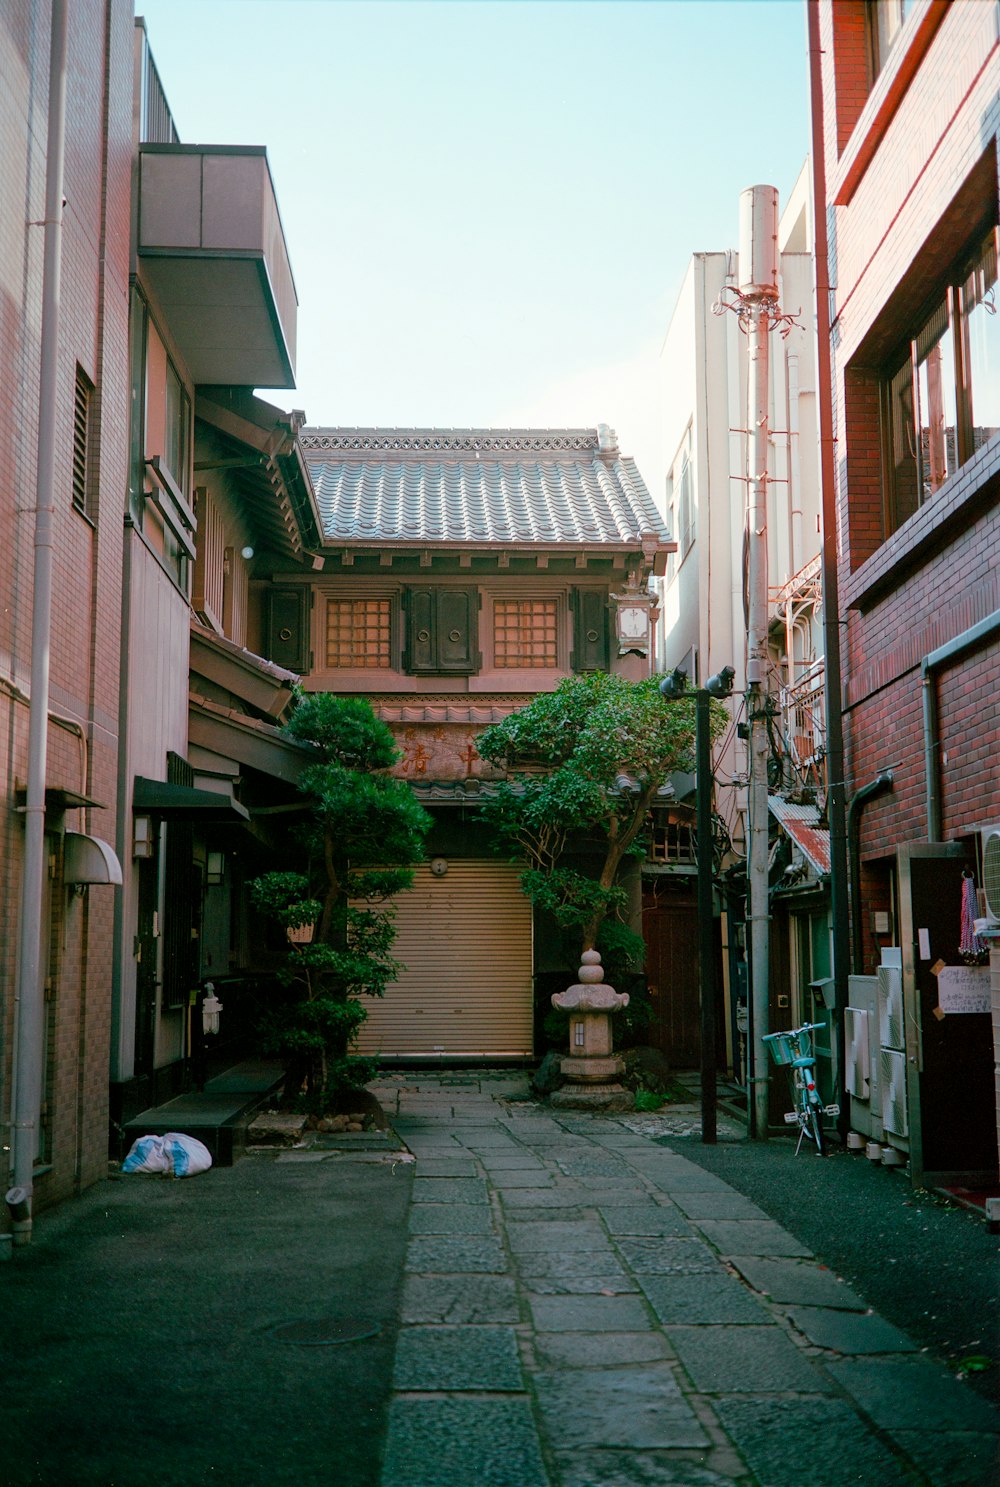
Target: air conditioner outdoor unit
x=990 y=841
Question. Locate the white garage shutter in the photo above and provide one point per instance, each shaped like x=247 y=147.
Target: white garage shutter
x=465 y=939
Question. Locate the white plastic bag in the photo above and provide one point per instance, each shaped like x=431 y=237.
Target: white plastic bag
x=174 y=1154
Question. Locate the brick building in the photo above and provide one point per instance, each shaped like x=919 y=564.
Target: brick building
x=132 y=714
x=89 y=451
x=908 y=112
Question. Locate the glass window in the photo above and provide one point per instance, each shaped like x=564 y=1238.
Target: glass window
x=525 y=633
x=177 y=430
x=982 y=345
x=358 y=632
x=934 y=353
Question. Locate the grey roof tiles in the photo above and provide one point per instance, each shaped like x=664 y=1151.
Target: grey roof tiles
x=488 y=486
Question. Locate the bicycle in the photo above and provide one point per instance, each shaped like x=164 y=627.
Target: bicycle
x=793 y=1049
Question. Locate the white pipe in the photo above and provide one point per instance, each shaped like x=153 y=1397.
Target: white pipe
x=30 y=993
x=794 y=483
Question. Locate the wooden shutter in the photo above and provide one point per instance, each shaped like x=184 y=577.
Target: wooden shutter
x=590 y=630
x=287 y=628
x=442 y=630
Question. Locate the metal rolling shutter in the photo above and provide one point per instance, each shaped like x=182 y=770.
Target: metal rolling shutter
x=465 y=939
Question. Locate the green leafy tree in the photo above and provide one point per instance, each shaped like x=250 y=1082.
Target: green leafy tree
x=584 y=764
x=362 y=829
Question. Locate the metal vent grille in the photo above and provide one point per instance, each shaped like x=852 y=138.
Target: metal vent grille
x=991 y=872
x=892 y=1066
x=890 y=1007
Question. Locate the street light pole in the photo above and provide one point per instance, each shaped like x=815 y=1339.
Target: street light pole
x=706 y=938
x=674 y=685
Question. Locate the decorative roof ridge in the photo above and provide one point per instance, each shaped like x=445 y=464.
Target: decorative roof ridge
x=420 y=441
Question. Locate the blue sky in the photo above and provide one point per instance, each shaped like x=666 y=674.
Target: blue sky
x=490 y=204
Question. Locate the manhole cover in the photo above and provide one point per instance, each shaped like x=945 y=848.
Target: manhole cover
x=326 y=1333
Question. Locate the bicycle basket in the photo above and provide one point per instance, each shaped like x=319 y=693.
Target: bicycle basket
x=783 y=1046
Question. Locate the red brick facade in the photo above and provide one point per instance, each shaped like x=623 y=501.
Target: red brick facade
x=83 y=696
x=911 y=172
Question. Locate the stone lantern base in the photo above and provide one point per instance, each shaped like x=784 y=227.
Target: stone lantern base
x=591 y=1069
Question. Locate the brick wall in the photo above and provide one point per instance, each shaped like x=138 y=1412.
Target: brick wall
x=928 y=167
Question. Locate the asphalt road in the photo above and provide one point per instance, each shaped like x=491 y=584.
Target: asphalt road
x=927 y=1265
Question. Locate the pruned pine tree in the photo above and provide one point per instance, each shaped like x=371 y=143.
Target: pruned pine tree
x=362 y=829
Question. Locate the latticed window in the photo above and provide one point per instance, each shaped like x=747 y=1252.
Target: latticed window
x=525 y=633
x=358 y=632
x=81 y=442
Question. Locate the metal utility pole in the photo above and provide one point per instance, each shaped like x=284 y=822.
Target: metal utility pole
x=755 y=301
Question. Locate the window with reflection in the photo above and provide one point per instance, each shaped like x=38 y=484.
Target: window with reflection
x=941 y=392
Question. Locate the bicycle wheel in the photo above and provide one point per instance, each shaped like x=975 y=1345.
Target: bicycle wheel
x=814 y=1129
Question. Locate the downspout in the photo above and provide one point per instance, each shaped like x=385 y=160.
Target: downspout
x=882 y=781
x=932 y=742
x=29 y=1010
x=836 y=786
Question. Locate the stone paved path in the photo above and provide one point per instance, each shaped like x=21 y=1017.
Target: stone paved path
x=586 y=1307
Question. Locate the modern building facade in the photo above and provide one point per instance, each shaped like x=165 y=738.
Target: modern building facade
x=908 y=113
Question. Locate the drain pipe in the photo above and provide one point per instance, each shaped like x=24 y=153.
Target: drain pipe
x=30 y=1004
x=950 y=651
x=882 y=781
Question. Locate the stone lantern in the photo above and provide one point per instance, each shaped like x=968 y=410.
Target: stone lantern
x=591 y=1070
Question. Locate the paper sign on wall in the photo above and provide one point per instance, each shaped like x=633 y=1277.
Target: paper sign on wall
x=964 y=989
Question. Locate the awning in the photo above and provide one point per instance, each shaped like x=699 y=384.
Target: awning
x=182 y=803
x=89 y=859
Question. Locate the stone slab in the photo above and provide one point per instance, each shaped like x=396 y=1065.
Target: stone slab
x=746 y=1360
x=848 y=1331
x=599 y=1350
x=276 y=1128
x=430 y=1443
x=441 y=1254
x=751 y=1237
x=642 y=1408
x=828 y=1433
x=589 y=1165
x=623 y=1468
x=511 y=1161
x=466 y=1359
x=459 y=1300
x=913 y=1394
x=449 y=1218
x=667 y=1256
x=573 y=1195
x=457 y=1166
x=589 y=1313
x=535 y=1179
x=551 y=1235
x=647 y=1218
x=728 y=1205
x=718 y=1299
x=449 y=1189
x=801 y=1282
x=953 y=1458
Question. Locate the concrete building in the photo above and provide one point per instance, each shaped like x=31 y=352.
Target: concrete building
x=908 y=112
x=704 y=607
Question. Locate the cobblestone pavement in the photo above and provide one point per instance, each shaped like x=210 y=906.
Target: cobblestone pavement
x=585 y=1306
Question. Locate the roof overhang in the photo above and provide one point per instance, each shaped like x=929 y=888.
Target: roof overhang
x=182 y=803
x=212 y=249
x=257 y=682
x=252 y=743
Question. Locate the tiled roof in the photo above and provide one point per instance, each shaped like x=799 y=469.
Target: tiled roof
x=489 y=486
